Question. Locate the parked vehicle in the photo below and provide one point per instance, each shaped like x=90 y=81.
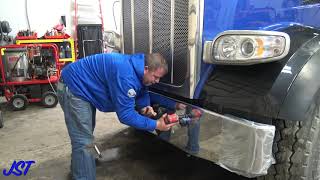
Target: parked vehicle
x=252 y=67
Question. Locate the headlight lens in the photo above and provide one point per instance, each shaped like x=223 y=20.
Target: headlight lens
x=249 y=47
x=228 y=47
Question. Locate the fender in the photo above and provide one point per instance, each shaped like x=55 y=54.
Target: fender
x=306 y=84
x=258 y=92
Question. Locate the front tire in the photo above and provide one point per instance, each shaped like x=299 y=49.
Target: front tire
x=297 y=149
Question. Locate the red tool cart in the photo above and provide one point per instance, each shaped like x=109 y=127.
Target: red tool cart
x=29 y=73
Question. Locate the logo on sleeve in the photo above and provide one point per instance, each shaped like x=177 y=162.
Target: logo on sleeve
x=132 y=93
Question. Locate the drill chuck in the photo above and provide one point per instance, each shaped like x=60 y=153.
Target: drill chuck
x=184 y=119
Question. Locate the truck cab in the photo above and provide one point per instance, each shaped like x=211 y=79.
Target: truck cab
x=250 y=66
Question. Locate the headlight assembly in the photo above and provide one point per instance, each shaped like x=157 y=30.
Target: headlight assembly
x=246 y=47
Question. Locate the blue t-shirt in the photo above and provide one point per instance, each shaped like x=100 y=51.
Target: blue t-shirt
x=111 y=83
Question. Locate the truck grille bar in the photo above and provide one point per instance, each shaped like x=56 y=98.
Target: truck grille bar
x=158 y=26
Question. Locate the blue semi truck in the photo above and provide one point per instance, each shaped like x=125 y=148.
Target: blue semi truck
x=251 y=66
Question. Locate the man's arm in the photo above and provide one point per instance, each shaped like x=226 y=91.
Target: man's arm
x=143 y=103
x=123 y=96
x=143 y=99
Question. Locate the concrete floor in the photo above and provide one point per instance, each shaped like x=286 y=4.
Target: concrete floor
x=40 y=134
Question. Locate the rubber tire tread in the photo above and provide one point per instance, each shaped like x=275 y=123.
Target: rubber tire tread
x=43 y=99
x=296 y=149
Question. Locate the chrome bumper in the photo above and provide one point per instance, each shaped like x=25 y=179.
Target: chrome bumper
x=238 y=145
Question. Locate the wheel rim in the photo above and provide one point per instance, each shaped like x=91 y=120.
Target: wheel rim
x=18 y=103
x=49 y=100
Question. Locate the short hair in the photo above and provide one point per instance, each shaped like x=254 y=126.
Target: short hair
x=155 y=61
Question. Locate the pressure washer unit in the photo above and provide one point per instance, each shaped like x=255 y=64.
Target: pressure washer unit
x=29 y=73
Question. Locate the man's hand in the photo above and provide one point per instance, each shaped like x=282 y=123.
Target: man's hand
x=148 y=111
x=162 y=126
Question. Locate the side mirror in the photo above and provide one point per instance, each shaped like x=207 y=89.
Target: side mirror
x=112 y=40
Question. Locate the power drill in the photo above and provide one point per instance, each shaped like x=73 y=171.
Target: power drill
x=184 y=119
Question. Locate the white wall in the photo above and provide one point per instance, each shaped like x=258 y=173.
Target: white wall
x=107 y=8
x=44 y=14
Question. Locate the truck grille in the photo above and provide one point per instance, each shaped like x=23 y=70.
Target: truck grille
x=158 y=26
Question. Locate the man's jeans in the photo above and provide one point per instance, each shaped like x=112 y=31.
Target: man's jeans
x=80 y=120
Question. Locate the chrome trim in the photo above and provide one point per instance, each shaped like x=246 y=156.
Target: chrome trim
x=195 y=30
x=252 y=61
x=200 y=48
x=171 y=46
x=207 y=51
x=150 y=26
x=132 y=23
x=170 y=85
x=195 y=42
x=121 y=26
x=195 y=47
x=172 y=38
